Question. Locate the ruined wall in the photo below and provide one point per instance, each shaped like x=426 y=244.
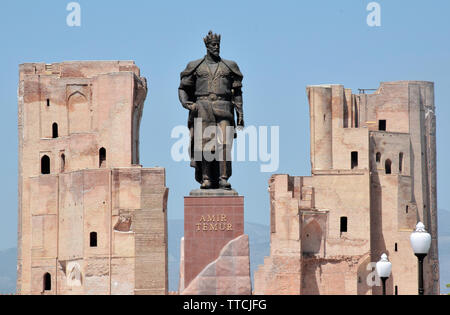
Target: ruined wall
x=409 y=142
x=391 y=227
x=281 y=272
x=91 y=220
x=321 y=127
x=90 y=112
x=332 y=140
x=309 y=254
x=373 y=161
x=336 y=194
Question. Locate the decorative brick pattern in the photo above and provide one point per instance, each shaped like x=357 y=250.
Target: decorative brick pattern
x=97 y=105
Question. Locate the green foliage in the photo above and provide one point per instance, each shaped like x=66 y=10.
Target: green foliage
x=448 y=286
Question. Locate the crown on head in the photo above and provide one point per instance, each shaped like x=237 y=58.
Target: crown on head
x=212 y=38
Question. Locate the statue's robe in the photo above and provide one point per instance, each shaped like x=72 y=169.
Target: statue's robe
x=199 y=82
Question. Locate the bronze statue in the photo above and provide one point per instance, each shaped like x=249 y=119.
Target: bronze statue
x=211 y=89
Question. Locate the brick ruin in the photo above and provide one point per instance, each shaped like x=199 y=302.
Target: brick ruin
x=91 y=219
x=373 y=162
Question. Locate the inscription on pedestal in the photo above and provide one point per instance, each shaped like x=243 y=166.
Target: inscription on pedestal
x=210 y=222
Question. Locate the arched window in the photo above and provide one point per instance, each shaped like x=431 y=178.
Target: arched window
x=354 y=159
x=63 y=162
x=378 y=157
x=45 y=165
x=93 y=239
x=102 y=157
x=55 y=130
x=400 y=162
x=343 y=224
x=48 y=102
x=47 y=282
x=388 y=167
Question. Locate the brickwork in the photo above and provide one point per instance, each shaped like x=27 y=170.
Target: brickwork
x=91 y=219
x=373 y=159
x=210 y=223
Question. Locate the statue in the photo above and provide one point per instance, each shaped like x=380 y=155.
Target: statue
x=211 y=89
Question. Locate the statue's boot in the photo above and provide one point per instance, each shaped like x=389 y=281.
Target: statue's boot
x=224 y=184
x=223 y=181
x=206 y=184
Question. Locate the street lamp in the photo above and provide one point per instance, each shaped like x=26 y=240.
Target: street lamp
x=420 y=242
x=384 y=268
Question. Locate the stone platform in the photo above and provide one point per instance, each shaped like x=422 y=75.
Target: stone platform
x=213 y=219
x=213 y=192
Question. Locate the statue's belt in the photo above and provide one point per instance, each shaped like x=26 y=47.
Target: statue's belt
x=214 y=97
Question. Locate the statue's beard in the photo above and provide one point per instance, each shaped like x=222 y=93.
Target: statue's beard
x=215 y=53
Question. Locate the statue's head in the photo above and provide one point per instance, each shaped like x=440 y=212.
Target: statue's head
x=212 y=42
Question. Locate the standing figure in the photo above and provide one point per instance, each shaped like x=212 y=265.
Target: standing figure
x=211 y=89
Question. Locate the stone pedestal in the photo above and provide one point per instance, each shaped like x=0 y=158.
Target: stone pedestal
x=214 y=229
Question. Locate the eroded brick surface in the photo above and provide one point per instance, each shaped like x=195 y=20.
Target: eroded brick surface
x=373 y=161
x=209 y=224
x=229 y=274
x=93 y=219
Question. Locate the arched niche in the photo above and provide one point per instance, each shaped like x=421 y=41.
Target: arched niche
x=47 y=282
x=45 y=165
x=312 y=236
x=79 y=113
x=388 y=166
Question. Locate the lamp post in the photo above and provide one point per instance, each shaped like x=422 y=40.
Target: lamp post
x=384 y=268
x=420 y=242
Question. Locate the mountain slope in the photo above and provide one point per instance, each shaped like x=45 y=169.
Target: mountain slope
x=8 y=267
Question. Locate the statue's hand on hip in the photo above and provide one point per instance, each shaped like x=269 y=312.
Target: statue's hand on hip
x=191 y=106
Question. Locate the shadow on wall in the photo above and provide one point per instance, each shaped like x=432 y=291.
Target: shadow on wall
x=362 y=285
x=377 y=245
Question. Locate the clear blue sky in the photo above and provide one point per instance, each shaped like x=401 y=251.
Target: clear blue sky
x=280 y=46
